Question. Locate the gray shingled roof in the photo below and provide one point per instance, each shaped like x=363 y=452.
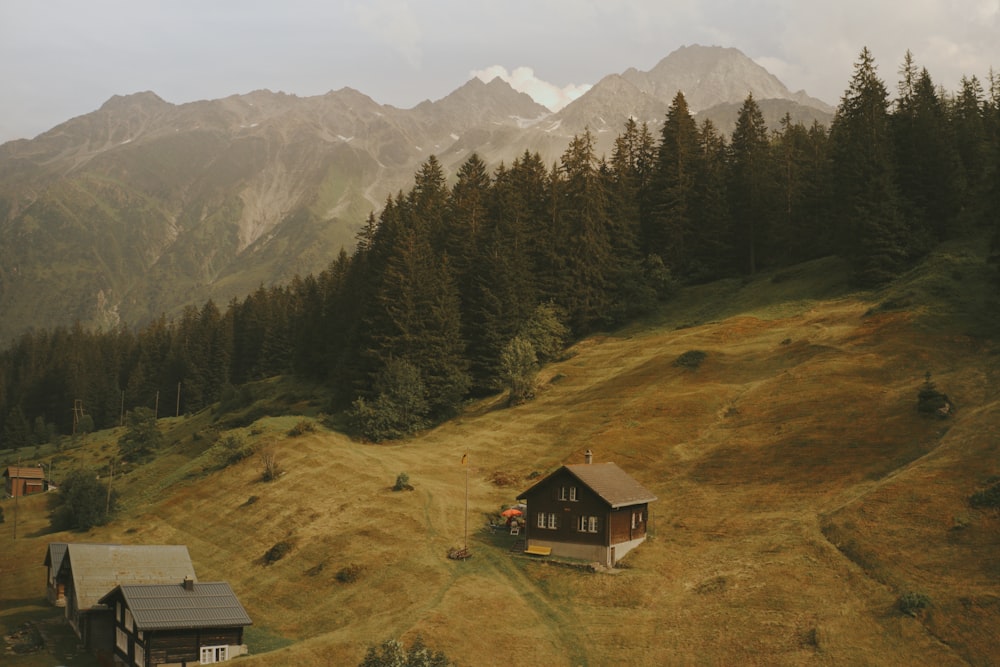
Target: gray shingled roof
x=611 y=483
x=54 y=555
x=173 y=607
x=99 y=568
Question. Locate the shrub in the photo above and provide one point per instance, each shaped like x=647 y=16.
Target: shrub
x=400 y=406
x=232 y=449
x=402 y=483
x=303 y=427
x=691 y=359
x=932 y=402
x=277 y=552
x=270 y=470
x=85 y=502
x=349 y=573
x=142 y=436
x=392 y=653
x=518 y=370
x=986 y=498
x=912 y=603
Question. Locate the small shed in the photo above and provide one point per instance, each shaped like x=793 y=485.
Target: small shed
x=183 y=623
x=23 y=480
x=595 y=512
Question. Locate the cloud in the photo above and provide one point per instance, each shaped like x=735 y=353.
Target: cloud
x=523 y=80
x=394 y=23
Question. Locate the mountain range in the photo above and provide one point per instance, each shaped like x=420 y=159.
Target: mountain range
x=142 y=206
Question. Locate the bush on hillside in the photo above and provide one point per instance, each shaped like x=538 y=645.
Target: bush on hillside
x=142 y=436
x=988 y=498
x=691 y=359
x=270 y=469
x=400 y=406
x=402 y=483
x=932 y=402
x=276 y=552
x=518 y=370
x=83 y=502
x=392 y=653
x=301 y=428
x=912 y=603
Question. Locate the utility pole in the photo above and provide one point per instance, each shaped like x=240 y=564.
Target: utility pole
x=17 y=492
x=121 y=414
x=156 y=406
x=178 y=400
x=111 y=478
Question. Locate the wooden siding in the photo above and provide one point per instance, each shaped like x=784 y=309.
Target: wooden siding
x=185 y=645
x=554 y=498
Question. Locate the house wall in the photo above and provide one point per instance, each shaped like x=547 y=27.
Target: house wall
x=553 y=498
x=179 y=646
x=628 y=523
x=18 y=486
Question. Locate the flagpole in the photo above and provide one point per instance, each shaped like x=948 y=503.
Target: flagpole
x=466 y=501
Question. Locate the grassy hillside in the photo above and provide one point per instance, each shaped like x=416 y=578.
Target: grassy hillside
x=800 y=495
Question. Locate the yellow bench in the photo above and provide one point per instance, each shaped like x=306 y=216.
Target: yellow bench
x=538 y=551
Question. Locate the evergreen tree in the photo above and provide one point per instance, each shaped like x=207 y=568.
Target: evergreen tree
x=972 y=142
x=750 y=185
x=928 y=169
x=871 y=232
x=668 y=225
x=583 y=214
x=712 y=246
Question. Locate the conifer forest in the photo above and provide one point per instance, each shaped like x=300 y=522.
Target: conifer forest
x=449 y=285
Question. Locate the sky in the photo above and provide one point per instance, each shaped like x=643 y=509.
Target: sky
x=65 y=58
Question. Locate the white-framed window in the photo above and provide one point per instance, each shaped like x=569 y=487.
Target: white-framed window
x=139 y=635
x=591 y=524
x=561 y=495
x=572 y=494
x=121 y=640
x=210 y=654
x=541 y=520
x=586 y=524
x=118 y=611
x=552 y=521
x=129 y=625
x=140 y=655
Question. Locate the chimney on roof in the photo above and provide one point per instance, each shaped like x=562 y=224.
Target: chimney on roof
x=589 y=457
x=188 y=584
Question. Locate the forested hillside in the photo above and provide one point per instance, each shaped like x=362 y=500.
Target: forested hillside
x=452 y=288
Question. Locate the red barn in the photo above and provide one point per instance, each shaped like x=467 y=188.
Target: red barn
x=23 y=481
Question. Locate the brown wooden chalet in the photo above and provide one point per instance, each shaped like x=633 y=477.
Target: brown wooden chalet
x=594 y=512
x=88 y=572
x=184 y=623
x=23 y=480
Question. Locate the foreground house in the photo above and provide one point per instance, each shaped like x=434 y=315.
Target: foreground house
x=594 y=512
x=88 y=572
x=23 y=481
x=183 y=623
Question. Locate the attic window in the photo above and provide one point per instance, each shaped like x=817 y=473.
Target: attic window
x=562 y=493
x=572 y=494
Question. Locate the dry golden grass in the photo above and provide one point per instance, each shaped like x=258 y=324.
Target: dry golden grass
x=800 y=493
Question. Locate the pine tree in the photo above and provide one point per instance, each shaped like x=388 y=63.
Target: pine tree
x=669 y=222
x=928 y=169
x=871 y=232
x=712 y=246
x=750 y=185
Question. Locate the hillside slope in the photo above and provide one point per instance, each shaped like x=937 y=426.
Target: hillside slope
x=801 y=494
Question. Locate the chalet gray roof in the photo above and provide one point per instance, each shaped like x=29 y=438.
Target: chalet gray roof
x=173 y=607
x=611 y=483
x=98 y=568
x=54 y=555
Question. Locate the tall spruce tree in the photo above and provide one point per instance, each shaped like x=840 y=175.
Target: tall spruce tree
x=872 y=234
x=669 y=222
x=928 y=169
x=751 y=189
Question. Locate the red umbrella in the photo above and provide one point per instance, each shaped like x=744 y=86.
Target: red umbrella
x=511 y=512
